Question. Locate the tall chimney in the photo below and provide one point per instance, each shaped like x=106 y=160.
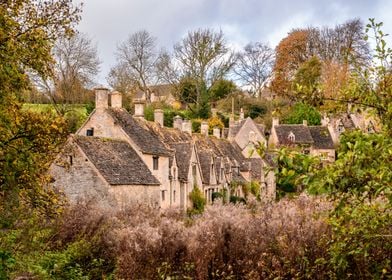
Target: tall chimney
x=204 y=128
x=116 y=99
x=304 y=122
x=139 y=109
x=101 y=98
x=216 y=132
x=275 y=121
x=177 y=122
x=242 y=116
x=158 y=116
x=187 y=126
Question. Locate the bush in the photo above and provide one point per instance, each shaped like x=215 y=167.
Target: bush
x=300 y=112
x=198 y=201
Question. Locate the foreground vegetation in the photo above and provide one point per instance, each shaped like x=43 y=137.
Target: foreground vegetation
x=301 y=238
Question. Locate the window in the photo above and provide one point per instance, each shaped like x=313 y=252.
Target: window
x=174 y=196
x=194 y=170
x=291 y=137
x=90 y=132
x=306 y=152
x=163 y=195
x=174 y=173
x=155 y=165
x=71 y=160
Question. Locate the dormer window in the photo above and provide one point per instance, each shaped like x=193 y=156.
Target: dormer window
x=291 y=137
x=90 y=132
x=340 y=127
x=155 y=162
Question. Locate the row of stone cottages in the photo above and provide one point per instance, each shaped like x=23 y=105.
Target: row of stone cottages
x=118 y=159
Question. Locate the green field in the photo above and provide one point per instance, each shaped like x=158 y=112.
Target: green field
x=75 y=114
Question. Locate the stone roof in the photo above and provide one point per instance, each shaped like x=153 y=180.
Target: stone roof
x=183 y=152
x=301 y=133
x=116 y=161
x=211 y=148
x=321 y=137
x=179 y=142
x=205 y=159
x=234 y=129
x=139 y=133
x=255 y=168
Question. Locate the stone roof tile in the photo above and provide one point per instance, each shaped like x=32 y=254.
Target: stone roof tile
x=139 y=133
x=116 y=161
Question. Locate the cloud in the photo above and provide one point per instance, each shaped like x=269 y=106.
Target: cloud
x=242 y=21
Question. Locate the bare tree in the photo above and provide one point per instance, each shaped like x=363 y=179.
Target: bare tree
x=119 y=78
x=343 y=42
x=203 y=56
x=138 y=54
x=76 y=64
x=254 y=66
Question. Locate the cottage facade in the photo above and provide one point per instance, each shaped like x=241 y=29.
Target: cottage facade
x=120 y=159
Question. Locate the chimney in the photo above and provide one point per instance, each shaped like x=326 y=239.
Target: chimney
x=204 y=128
x=101 y=98
x=242 y=114
x=158 y=116
x=275 y=121
x=325 y=120
x=216 y=132
x=139 y=109
x=187 y=126
x=177 y=122
x=116 y=99
x=304 y=122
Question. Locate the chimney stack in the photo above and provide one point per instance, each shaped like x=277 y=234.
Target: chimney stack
x=325 y=120
x=101 y=98
x=158 y=116
x=242 y=116
x=304 y=122
x=275 y=121
x=214 y=112
x=177 y=122
x=139 y=109
x=116 y=99
x=204 y=128
x=216 y=132
x=187 y=126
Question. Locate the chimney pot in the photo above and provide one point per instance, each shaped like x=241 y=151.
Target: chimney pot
x=101 y=98
x=242 y=116
x=177 y=122
x=275 y=121
x=204 y=128
x=304 y=122
x=139 y=109
x=187 y=126
x=217 y=132
x=116 y=99
x=159 y=117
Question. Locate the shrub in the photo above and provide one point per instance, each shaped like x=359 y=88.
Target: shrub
x=198 y=201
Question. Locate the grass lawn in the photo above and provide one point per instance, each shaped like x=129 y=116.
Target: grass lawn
x=75 y=114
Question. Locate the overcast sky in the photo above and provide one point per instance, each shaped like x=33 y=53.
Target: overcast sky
x=109 y=22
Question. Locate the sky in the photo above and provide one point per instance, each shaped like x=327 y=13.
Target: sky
x=110 y=22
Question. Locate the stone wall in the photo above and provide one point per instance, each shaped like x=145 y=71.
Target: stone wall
x=78 y=179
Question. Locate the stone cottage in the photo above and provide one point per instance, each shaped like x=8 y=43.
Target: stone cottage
x=313 y=140
x=120 y=159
